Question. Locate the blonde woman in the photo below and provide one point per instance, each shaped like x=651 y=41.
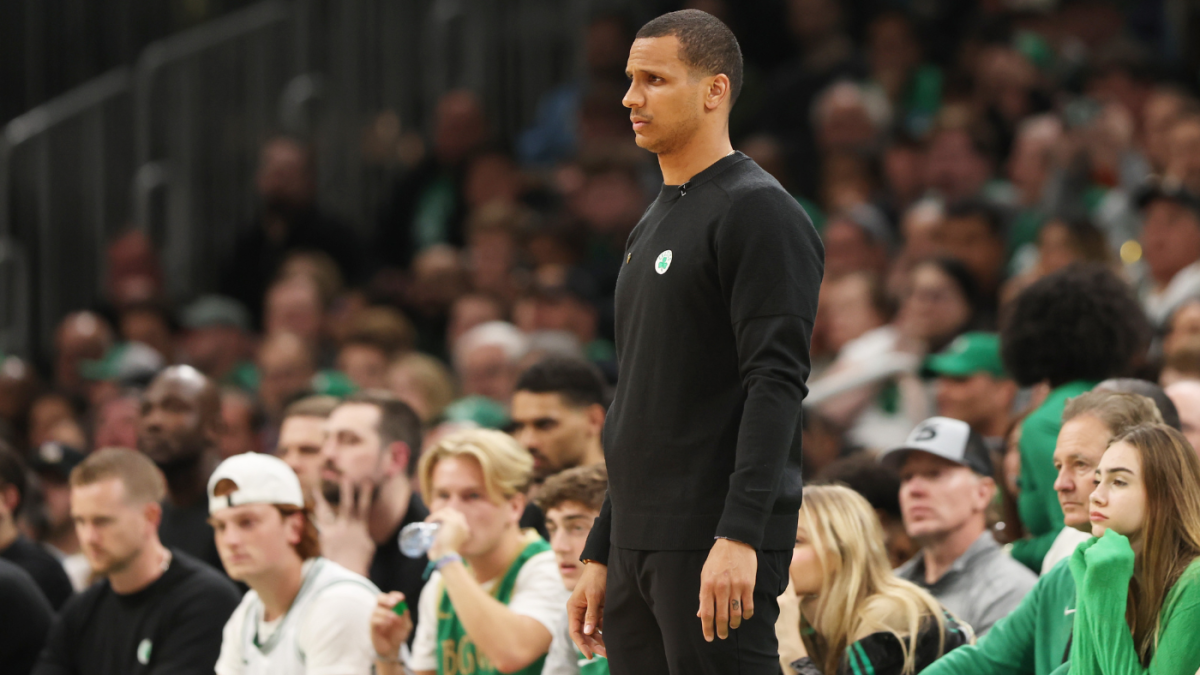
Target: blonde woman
x=845 y=611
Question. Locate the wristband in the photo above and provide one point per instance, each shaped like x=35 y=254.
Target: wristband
x=446 y=560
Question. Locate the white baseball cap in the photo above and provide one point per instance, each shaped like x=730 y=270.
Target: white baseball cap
x=947 y=438
x=260 y=479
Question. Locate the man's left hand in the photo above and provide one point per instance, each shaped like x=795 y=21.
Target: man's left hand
x=727 y=587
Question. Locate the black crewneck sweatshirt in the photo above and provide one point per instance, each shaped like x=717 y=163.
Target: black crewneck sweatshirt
x=714 y=313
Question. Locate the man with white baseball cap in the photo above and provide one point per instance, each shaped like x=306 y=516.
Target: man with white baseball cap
x=946 y=486
x=304 y=614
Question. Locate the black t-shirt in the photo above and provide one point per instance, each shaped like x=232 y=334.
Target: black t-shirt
x=45 y=569
x=24 y=622
x=172 y=626
x=714 y=314
x=186 y=528
x=391 y=570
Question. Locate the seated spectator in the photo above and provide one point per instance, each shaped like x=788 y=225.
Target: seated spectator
x=301 y=437
x=501 y=612
x=286 y=367
x=973 y=387
x=296 y=305
x=857 y=240
x=116 y=421
x=368 y=464
x=289 y=219
x=1171 y=246
x=571 y=500
x=180 y=431
x=486 y=359
x=855 y=305
x=151 y=324
x=960 y=157
x=80 y=336
x=1146 y=517
x=1182 y=361
x=375 y=337
x=424 y=383
x=972 y=232
x=471 y=310
x=217 y=340
x=946 y=487
x=1061 y=242
x=15 y=547
x=25 y=621
x=155 y=608
x=844 y=606
x=1185 y=394
x=242 y=421
x=1069 y=330
x=52 y=463
x=558 y=414
x=1034 y=639
x=566 y=299
x=268 y=541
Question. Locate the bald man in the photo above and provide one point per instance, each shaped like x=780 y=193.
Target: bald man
x=1186 y=396
x=179 y=429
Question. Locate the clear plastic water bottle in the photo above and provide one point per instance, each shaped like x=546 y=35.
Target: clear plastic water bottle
x=417 y=538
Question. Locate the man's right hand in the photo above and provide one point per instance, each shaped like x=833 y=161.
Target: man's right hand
x=585 y=610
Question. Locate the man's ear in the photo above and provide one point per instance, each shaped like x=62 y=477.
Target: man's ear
x=718 y=90
x=987 y=490
x=153 y=513
x=595 y=417
x=396 y=457
x=518 y=503
x=10 y=498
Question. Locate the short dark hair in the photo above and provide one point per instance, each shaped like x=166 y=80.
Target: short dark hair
x=705 y=44
x=577 y=381
x=979 y=209
x=12 y=472
x=1080 y=323
x=583 y=485
x=397 y=422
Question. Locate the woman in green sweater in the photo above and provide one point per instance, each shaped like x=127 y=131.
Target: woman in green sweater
x=1138 y=582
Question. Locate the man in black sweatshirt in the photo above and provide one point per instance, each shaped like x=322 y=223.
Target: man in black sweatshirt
x=714 y=311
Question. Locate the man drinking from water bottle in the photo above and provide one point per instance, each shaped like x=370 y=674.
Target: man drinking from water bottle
x=495 y=596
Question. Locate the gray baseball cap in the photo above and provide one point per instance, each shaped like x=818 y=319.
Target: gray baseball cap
x=947 y=438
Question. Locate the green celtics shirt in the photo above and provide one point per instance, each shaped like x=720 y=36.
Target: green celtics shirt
x=456 y=653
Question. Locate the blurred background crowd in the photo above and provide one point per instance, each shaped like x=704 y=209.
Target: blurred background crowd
x=955 y=157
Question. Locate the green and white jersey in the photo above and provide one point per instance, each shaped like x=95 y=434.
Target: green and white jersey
x=325 y=632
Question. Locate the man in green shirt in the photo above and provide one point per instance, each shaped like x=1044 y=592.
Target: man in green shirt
x=1068 y=330
x=1035 y=638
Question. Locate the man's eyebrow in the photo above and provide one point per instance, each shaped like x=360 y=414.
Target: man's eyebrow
x=575 y=517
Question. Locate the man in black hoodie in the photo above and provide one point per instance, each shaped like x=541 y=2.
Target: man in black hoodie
x=714 y=310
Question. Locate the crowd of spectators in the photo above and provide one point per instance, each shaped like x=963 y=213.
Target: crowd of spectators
x=1009 y=197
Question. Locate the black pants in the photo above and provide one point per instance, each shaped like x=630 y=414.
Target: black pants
x=650 y=622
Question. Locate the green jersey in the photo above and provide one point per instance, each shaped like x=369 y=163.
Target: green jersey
x=456 y=652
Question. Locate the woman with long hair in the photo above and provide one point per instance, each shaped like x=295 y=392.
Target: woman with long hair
x=855 y=616
x=1138 y=581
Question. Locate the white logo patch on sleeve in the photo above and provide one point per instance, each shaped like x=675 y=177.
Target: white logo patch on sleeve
x=663 y=262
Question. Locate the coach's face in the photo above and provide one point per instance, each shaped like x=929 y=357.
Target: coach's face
x=666 y=98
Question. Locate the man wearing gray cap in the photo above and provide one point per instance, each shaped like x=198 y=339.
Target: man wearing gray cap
x=946 y=486
x=303 y=613
x=217 y=340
